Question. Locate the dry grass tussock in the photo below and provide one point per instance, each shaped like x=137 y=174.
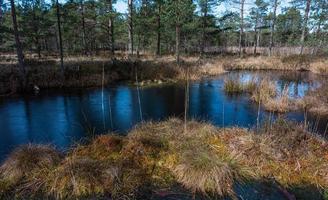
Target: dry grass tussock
x=266 y=94
x=235 y=86
x=292 y=62
x=320 y=66
x=281 y=103
x=28 y=159
x=316 y=101
x=264 y=91
x=283 y=151
x=81 y=177
x=204 y=159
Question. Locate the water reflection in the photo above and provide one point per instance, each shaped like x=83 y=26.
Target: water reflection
x=61 y=118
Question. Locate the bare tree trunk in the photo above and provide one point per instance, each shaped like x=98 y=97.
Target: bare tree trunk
x=177 y=42
x=255 y=42
x=256 y=33
x=241 y=33
x=272 y=26
x=318 y=33
x=306 y=18
x=158 y=51
x=84 y=42
x=130 y=26
x=111 y=27
x=60 y=39
x=1 y=12
x=36 y=30
x=19 y=50
x=204 y=27
x=1 y=16
x=258 y=38
x=186 y=100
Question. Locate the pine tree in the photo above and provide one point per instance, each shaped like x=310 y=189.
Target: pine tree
x=60 y=38
x=257 y=15
x=206 y=7
x=19 y=49
x=179 y=11
x=130 y=26
x=273 y=23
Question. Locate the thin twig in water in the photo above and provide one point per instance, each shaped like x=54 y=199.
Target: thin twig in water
x=326 y=129
x=223 y=114
x=102 y=96
x=110 y=111
x=258 y=113
x=186 y=100
x=138 y=92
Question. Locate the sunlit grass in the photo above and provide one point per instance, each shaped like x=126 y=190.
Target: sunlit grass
x=204 y=159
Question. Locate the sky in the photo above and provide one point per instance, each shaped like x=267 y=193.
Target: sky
x=121 y=6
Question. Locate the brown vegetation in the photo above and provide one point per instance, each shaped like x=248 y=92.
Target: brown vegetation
x=87 y=72
x=205 y=160
x=316 y=101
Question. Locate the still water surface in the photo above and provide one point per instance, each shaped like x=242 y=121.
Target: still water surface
x=62 y=118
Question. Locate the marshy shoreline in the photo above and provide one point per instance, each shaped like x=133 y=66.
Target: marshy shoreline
x=155 y=158
x=83 y=72
x=148 y=71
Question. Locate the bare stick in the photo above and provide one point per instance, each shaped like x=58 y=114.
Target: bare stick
x=138 y=92
x=110 y=112
x=258 y=114
x=186 y=100
x=102 y=95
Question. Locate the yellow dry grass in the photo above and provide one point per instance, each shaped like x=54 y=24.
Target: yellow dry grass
x=204 y=159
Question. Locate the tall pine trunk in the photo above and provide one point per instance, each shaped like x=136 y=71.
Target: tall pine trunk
x=317 y=36
x=158 y=51
x=130 y=26
x=60 y=39
x=273 y=23
x=241 y=32
x=256 y=34
x=84 y=42
x=19 y=50
x=177 y=42
x=36 y=38
x=306 y=18
x=1 y=12
x=204 y=27
x=1 y=16
x=111 y=27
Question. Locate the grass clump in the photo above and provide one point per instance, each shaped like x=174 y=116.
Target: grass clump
x=265 y=90
x=207 y=172
x=204 y=159
x=26 y=160
x=280 y=104
x=266 y=95
x=233 y=86
x=76 y=178
x=315 y=101
x=103 y=148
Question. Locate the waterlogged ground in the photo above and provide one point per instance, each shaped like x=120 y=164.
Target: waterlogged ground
x=62 y=118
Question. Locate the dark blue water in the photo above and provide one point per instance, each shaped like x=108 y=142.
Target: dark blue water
x=62 y=118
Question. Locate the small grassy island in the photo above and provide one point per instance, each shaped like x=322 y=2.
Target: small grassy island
x=156 y=158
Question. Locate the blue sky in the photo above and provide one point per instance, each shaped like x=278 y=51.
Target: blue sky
x=121 y=6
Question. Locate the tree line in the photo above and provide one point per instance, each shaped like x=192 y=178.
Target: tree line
x=88 y=27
